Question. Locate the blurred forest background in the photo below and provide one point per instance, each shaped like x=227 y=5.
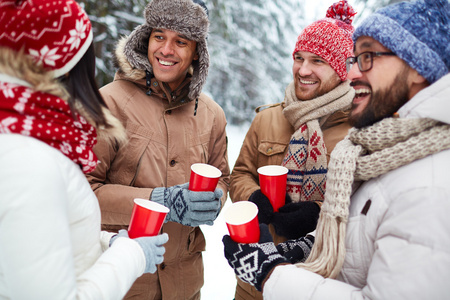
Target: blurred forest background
x=250 y=44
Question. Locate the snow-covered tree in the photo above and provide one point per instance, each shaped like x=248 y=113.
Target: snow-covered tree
x=251 y=44
x=110 y=20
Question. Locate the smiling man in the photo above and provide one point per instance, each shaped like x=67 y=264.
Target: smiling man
x=383 y=227
x=157 y=94
x=382 y=92
x=300 y=132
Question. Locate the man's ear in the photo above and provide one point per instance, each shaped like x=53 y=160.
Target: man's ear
x=416 y=78
x=195 y=56
x=417 y=82
x=419 y=79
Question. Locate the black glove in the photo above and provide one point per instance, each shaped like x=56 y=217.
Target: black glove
x=296 y=250
x=294 y=220
x=265 y=209
x=253 y=262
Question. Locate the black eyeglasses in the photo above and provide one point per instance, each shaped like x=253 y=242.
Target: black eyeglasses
x=365 y=60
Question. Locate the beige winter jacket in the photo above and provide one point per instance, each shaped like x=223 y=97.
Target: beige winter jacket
x=165 y=138
x=266 y=143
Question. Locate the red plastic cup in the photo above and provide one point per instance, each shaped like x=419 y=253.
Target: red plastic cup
x=242 y=222
x=204 y=178
x=273 y=180
x=147 y=218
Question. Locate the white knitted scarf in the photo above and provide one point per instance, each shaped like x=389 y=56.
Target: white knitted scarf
x=306 y=157
x=364 y=154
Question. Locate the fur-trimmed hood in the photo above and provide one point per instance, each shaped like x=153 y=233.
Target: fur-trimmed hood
x=182 y=16
x=19 y=68
x=124 y=66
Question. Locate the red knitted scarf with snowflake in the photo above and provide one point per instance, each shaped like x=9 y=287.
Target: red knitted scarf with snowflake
x=48 y=119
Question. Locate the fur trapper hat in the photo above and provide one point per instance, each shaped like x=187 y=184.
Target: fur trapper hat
x=186 y=17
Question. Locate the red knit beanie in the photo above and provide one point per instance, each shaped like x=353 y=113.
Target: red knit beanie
x=57 y=33
x=331 y=37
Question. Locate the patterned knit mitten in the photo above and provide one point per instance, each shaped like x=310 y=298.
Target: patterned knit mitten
x=253 y=262
x=298 y=250
x=188 y=207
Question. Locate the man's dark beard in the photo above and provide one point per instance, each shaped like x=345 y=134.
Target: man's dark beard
x=383 y=103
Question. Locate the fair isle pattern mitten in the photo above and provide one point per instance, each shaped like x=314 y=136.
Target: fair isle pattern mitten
x=188 y=207
x=253 y=262
x=296 y=251
x=178 y=206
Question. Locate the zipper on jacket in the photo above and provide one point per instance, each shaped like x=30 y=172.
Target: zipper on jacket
x=148 y=80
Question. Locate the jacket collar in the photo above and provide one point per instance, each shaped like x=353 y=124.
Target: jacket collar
x=176 y=98
x=154 y=87
x=431 y=102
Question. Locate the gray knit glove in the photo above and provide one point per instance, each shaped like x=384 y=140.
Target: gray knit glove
x=188 y=207
x=151 y=245
x=121 y=233
x=153 y=250
x=296 y=250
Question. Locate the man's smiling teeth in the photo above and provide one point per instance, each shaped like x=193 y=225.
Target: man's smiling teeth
x=166 y=63
x=362 y=92
x=307 y=82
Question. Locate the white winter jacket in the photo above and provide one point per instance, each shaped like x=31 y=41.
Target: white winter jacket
x=51 y=246
x=399 y=247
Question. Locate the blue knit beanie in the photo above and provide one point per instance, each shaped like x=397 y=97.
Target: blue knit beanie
x=416 y=31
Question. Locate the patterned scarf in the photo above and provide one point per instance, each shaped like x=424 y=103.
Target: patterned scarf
x=306 y=157
x=49 y=119
x=364 y=154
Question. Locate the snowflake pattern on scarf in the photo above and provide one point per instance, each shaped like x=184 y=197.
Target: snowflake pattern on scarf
x=49 y=119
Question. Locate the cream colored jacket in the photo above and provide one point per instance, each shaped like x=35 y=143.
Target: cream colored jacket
x=51 y=246
x=398 y=241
